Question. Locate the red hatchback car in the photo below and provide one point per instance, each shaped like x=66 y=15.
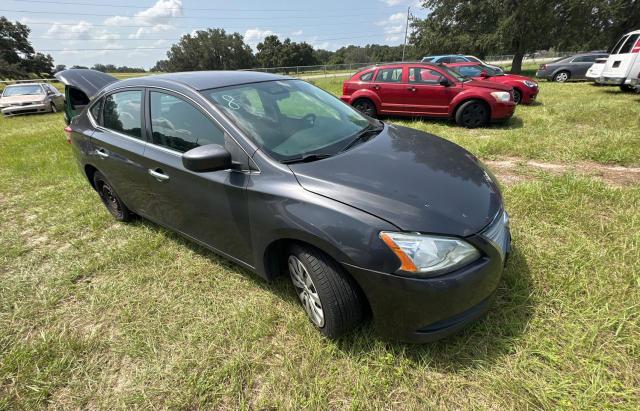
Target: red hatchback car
x=525 y=90
x=423 y=89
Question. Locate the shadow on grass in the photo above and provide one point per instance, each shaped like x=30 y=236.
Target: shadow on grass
x=482 y=342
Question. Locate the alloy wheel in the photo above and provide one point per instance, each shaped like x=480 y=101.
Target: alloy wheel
x=474 y=115
x=562 y=77
x=517 y=96
x=306 y=290
x=365 y=107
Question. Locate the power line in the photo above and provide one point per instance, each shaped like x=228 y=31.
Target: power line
x=178 y=38
x=174 y=8
x=180 y=17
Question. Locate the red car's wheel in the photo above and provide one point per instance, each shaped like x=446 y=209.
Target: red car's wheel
x=472 y=114
x=365 y=106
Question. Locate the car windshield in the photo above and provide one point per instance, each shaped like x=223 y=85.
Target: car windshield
x=427 y=59
x=31 y=89
x=290 y=119
x=454 y=74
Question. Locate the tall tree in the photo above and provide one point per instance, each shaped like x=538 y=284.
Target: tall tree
x=17 y=57
x=269 y=49
x=274 y=53
x=211 y=49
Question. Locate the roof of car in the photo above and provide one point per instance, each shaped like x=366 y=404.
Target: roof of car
x=202 y=80
x=24 y=84
x=466 y=63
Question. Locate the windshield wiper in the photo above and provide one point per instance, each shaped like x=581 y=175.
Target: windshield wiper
x=305 y=158
x=363 y=135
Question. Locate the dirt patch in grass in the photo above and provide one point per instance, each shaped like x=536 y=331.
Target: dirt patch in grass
x=512 y=170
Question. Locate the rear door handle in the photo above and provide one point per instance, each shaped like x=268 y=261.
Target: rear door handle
x=158 y=175
x=102 y=153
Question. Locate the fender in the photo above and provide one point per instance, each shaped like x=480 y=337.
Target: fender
x=366 y=93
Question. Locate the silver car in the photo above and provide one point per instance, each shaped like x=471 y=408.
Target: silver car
x=30 y=98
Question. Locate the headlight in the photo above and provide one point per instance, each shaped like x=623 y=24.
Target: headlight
x=501 y=96
x=529 y=83
x=426 y=255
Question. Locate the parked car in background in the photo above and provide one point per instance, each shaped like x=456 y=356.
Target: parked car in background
x=457 y=58
x=28 y=98
x=278 y=175
x=424 y=89
x=595 y=71
x=525 y=90
x=623 y=64
x=569 y=68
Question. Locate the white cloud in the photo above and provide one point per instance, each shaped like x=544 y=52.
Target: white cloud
x=297 y=32
x=254 y=36
x=81 y=31
x=393 y=26
x=393 y=2
x=160 y=16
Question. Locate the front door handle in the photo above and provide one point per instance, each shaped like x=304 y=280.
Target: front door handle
x=158 y=175
x=375 y=87
x=102 y=153
x=411 y=88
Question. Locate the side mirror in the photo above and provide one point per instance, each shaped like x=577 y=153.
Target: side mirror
x=210 y=157
x=484 y=73
x=444 y=82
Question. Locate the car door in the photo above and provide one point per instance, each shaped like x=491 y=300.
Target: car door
x=580 y=65
x=389 y=87
x=118 y=144
x=210 y=207
x=426 y=96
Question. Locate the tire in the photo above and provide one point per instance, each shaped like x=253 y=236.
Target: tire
x=627 y=88
x=517 y=96
x=110 y=199
x=472 y=114
x=365 y=106
x=331 y=299
x=562 y=76
x=54 y=109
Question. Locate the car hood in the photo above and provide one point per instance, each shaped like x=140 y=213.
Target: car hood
x=414 y=180
x=25 y=98
x=509 y=77
x=90 y=82
x=486 y=84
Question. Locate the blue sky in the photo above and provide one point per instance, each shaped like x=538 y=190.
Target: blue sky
x=141 y=31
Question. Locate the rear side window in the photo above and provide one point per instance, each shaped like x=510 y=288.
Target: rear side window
x=366 y=76
x=122 y=112
x=95 y=110
x=628 y=45
x=424 y=76
x=389 y=75
x=177 y=125
x=615 y=48
x=584 y=59
x=459 y=60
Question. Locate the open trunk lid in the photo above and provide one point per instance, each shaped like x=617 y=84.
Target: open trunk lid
x=81 y=86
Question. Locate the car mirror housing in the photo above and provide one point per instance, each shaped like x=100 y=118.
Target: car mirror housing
x=210 y=157
x=445 y=82
x=484 y=73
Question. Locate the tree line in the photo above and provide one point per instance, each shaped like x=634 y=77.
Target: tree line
x=520 y=27
x=17 y=56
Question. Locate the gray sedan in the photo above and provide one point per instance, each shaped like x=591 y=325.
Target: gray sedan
x=569 y=68
x=30 y=98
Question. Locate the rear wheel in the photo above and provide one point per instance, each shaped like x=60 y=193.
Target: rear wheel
x=472 y=114
x=561 y=77
x=329 y=296
x=365 y=106
x=110 y=199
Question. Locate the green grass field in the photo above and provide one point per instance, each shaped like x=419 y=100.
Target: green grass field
x=100 y=314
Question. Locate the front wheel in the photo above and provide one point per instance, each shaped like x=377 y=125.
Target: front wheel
x=54 y=109
x=472 y=114
x=517 y=96
x=331 y=299
x=627 y=88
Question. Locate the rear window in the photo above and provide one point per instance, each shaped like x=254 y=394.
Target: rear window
x=617 y=46
x=584 y=59
x=122 y=112
x=628 y=45
x=367 y=76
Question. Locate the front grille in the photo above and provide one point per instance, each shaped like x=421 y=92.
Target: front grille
x=498 y=233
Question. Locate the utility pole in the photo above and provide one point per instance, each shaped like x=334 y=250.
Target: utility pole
x=406 y=30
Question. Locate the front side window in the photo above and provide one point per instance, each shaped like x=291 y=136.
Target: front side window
x=628 y=45
x=178 y=125
x=122 y=112
x=424 y=76
x=389 y=75
x=289 y=118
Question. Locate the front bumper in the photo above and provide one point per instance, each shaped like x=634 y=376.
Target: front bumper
x=503 y=111
x=31 y=108
x=530 y=94
x=420 y=310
